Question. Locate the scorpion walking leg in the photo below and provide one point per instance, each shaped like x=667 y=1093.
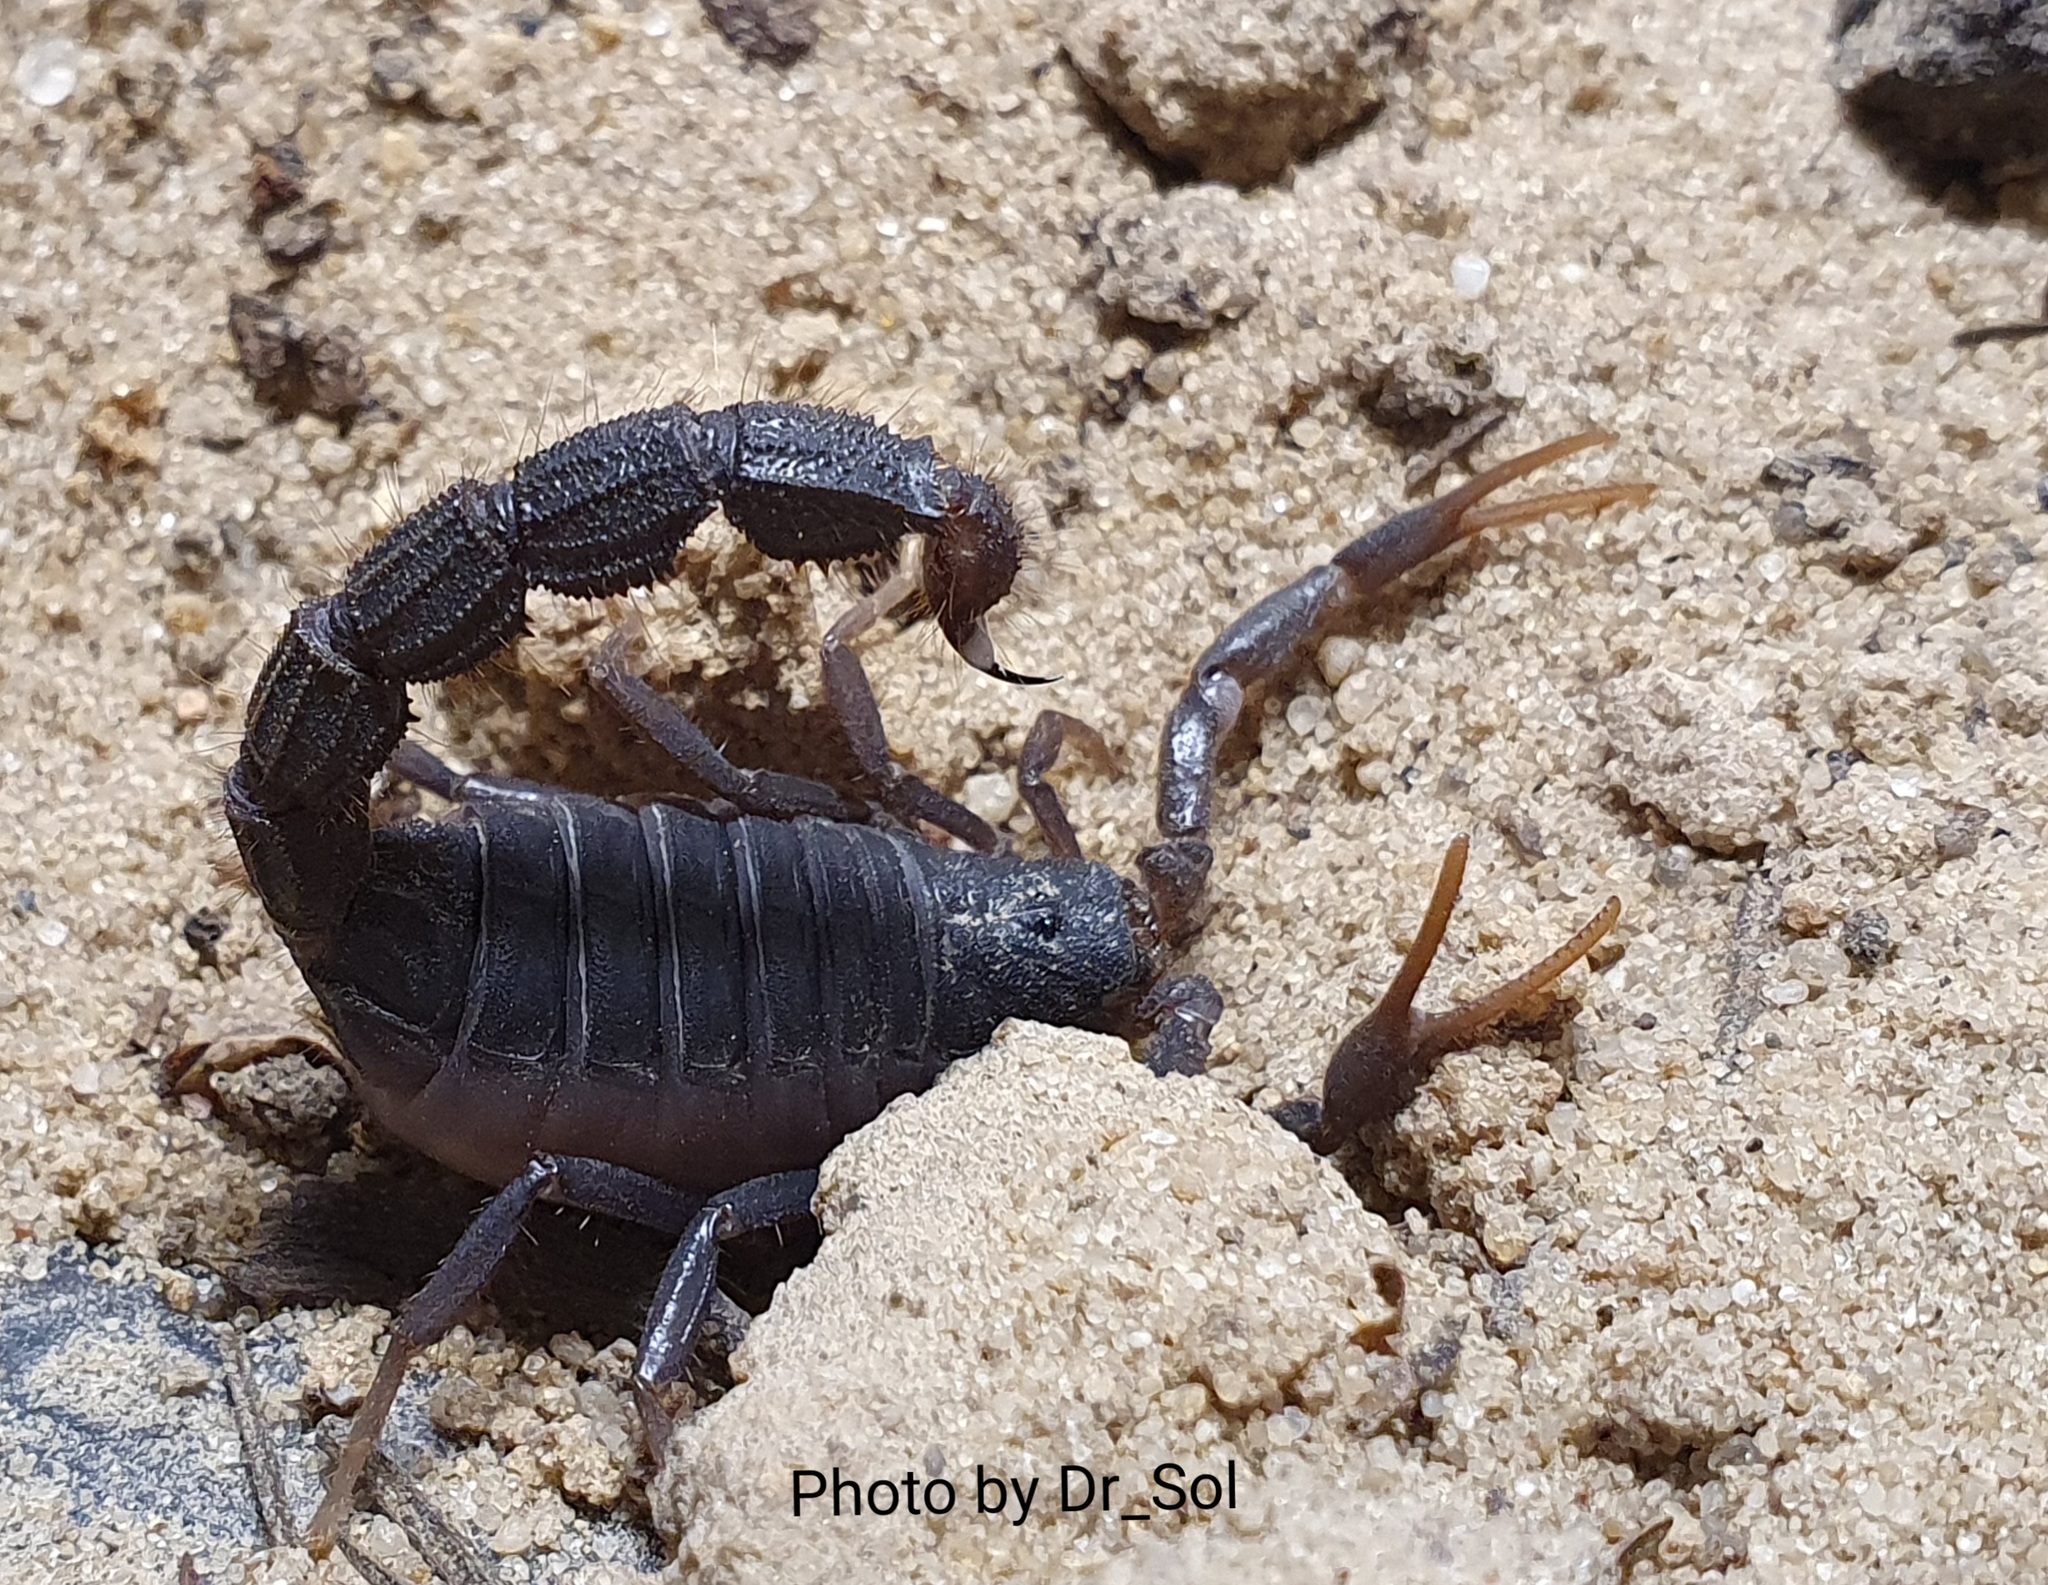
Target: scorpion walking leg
x=1393 y=1049
x=430 y=773
x=588 y=1185
x=1179 y=1015
x=689 y=1284
x=769 y=794
x=1041 y=751
x=852 y=698
x=1273 y=635
x=1174 y=1019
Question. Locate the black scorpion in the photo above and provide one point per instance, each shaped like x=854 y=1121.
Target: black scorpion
x=671 y=1014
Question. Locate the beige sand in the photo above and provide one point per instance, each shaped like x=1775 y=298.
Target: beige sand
x=1773 y=1267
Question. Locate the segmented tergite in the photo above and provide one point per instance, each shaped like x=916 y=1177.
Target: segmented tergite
x=672 y=1013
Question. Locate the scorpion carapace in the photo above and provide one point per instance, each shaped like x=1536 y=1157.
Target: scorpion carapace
x=673 y=1013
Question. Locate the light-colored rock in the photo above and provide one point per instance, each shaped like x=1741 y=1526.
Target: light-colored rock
x=1054 y=1258
x=1243 y=90
x=1706 y=755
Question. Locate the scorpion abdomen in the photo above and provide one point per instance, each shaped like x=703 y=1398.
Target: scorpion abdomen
x=698 y=1000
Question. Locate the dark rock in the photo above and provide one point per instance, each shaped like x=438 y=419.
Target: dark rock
x=766 y=30
x=1867 y=940
x=295 y=368
x=277 y=178
x=1949 y=88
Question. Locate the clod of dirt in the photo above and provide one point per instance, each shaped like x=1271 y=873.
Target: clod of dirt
x=1948 y=87
x=1423 y=387
x=1189 y=258
x=1829 y=498
x=1707 y=756
x=297 y=1110
x=766 y=30
x=407 y=74
x=294 y=367
x=147 y=93
x=1239 y=91
x=2012 y=658
x=1054 y=1258
x=124 y=431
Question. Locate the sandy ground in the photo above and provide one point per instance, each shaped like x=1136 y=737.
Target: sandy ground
x=1756 y=1243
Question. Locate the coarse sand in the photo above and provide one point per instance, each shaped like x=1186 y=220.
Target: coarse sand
x=1755 y=1241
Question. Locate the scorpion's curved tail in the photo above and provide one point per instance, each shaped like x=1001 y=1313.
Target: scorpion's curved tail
x=599 y=513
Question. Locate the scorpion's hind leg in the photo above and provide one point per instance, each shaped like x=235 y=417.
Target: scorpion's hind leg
x=769 y=794
x=587 y=1185
x=426 y=770
x=852 y=699
x=1383 y=1061
x=688 y=1289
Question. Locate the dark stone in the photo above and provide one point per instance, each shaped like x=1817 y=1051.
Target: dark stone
x=1950 y=89
x=766 y=30
x=295 y=368
x=1867 y=940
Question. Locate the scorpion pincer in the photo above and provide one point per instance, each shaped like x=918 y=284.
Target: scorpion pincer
x=672 y=1013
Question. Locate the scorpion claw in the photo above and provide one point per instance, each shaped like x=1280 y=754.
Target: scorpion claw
x=1388 y=1055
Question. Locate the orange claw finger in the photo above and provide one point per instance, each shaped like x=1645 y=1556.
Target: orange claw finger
x=1388 y=1054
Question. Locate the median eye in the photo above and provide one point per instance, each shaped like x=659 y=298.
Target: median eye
x=1045 y=924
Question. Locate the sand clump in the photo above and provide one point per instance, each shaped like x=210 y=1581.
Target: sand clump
x=1057 y=1259
x=1240 y=92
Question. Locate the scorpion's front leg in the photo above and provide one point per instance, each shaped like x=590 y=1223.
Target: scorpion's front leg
x=769 y=794
x=674 y=1321
x=852 y=699
x=1173 y=1019
x=1393 y=1049
x=1273 y=635
x=1042 y=746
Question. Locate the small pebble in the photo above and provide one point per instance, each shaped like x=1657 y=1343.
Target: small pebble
x=1339 y=658
x=1470 y=274
x=1305 y=712
x=1866 y=939
x=1956 y=837
x=330 y=458
x=47 y=73
x=184 y=1377
x=992 y=795
x=1673 y=867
